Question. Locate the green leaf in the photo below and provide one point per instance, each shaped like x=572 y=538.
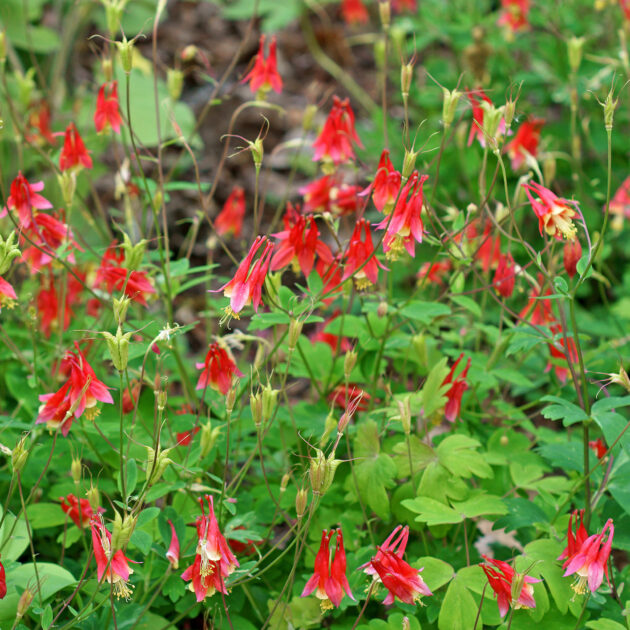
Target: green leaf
x=432 y=395
x=132 y=476
x=432 y=512
x=563 y=410
x=421 y=455
x=458 y=454
x=47 y=617
x=45 y=515
x=605 y=624
x=436 y=573
x=467 y=303
x=459 y=609
x=481 y=505
x=14 y=540
x=424 y=312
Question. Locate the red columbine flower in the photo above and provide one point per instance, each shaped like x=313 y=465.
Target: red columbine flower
x=434 y=272
x=3 y=582
x=456 y=390
x=587 y=557
x=342 y=395
x=74 y=154
x=405 y=227
x=560 y=353
x=599 y=447
x=109 y=564
x=264 y=75
x=246 y=285
x=39 y=119
x=230 y=219
x=538 y=310
x=514 y=15
x=334 y=143
x=394 y=543
x=172 y=555
x=336 y=342
x=107 y=113
x=505 y=276
x=186 y=437
x=354 y=12
x=218 y=370
x=625 y=7
x=299 y=243
x=49 y=234
x=554 y=213
x=620 y=204
x=477 y=126
x=329 y=582
x=400 y=579
x=386 y=184
x=8 y=297
x=360 y=250
x=404 y=5
x=525 y=142
x=330 y=275
x=80 y=393
x=488 y=247
x=23 y=198
x=136 y=284
x=571 y=256
x=503 y=580
x=79 y=510
x=327 y=194
x=214 y=560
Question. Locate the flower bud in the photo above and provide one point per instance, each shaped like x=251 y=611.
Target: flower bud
x=255 y=403
x=269 y=402
x=122 y=530
x=8 y=251
x=76 y=469
x=19 y=455
x=301 y=502
x=575 y=47
x=258 y=151
x=381 y=311
x=24 y=603
x=409 y=163
x=120 y=309
x=284 y=482
x=157 y=201
x=349 y=361
x=406 y=75
x=118 y=347
x=571 y=256
x=230 y=399
x=385 y=13
x=94 y=498
x=125 y=50
x=322 y=471
x=491 y=121
x=133 y=253
x=175 y=83
x=295 y=329
x=449 y=106
x=404 y=410
x=609 y=105
x=209 y=438
x=189 y=53
x=308 y=117
x=329 y=426
x=157 y=461
x=108 y=69
x=68 y=184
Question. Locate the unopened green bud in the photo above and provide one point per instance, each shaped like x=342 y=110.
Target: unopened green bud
x=349 y=361
x=157 y=201
x=3 y=47
x=404 y=410
x=120 y=309
x=189 y=53
x=76 y=469
x=8 y=251
x=94 y=498
x=157 y=462
x=329 y=426
x=269 y=402
x=24 y=603
x=409 y=163
x=133 y=253
x=19 y=455
x=258 y=151
x=382 y=309
x=406 y=625
x=108 y=70
x=68 y=184
x=385 y=13
x=575 y=47
x=295 y=329
x=491 y=121
x=230 y=399
x=301 y=502
x=308 y=117
x=284 y=482
x=209 y=438
x=125 y=50
x=322 y=471
x=122 y=530
x=255 y=403
x=175 y=83
x=118 y=347
x=609 y=105
x=449 y=106
x=406 y=75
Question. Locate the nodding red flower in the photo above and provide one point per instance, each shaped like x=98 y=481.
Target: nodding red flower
x=49 y=235
x=619 y=205
x=24 y=199
x=342 y=395
x=330 y=275
x=599 y=447
x=404 y=5
x=525 y=142
x=74 y=154
x=107 y=112
x=264 y=75
x=130 y=396
x=48 y=303
x=571 y=256
x=230 y=219
x=3 y=582
x=238 y=546
x=456 y=390
x=503 y=580
x=79 y=510
x=386 y=184
x=299 y=243
x=327 y=194
x=114 y=566
x=172 y=555
x=514 y=15
x=329 y=583
x=554 y=213
x=405 y=227
x=186 y=437
x=354 y=12
x=477 y=129
x=8 y=297
x=538 y=310
x=400 y=579
x=246 y=285
x=394 y=543
x=337 y=343
x=334 y=143
x=360 y=259
x=587 y=556
x=79 y=394
x=558 y=351
x=434 y=272
x=39 y=119
x=218 y=370
x=505 y=276
x=488 y=247
x=625 y=7
x=115 y=277
x=214 y=560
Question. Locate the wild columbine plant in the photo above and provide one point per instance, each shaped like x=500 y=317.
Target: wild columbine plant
x=386 y=313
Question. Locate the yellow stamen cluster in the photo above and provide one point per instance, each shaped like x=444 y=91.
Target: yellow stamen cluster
x=362 y=283
x=559 y=220
x=91 y=413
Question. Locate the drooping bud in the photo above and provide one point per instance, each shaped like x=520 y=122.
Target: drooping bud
x=449 y=106
x=189 y=53
x=575 y=47
x=118 y=347
x=382 y=309
x=19 y=455
x=8 y=251
x=571 y=256
x=301 y=502
x=175 y=83
x=295 y=330
x=76 y=469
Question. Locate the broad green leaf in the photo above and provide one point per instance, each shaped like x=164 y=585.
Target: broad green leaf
x=459 y=609
x=132 y=476
x=458 y=454
x=481 y=505
x=45 y=515
x=436 y=573
x=563 y=410
x=421 y=455
x=432 y=512
x=467 y=303
x=433 y=393
x=605 y=624
x=424 y=312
